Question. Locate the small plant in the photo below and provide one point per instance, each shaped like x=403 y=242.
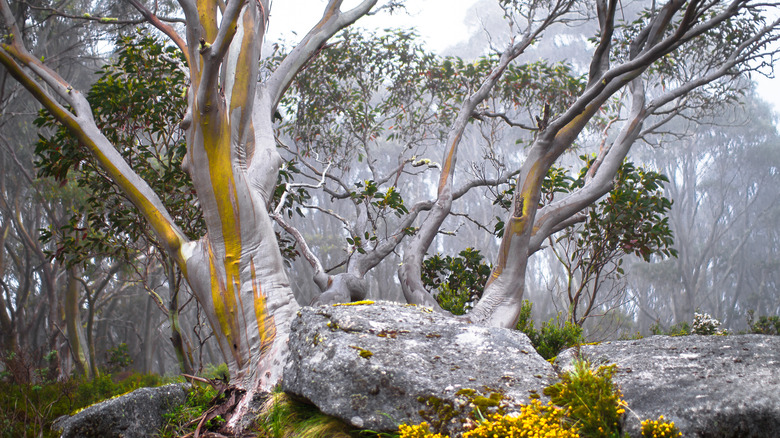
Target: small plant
x=184 y=418
x=705 y=324
x=766 y=325
x=660 y=429
x=217 y=372
x=702 y=324
x=457 y=282
x=421 y=430
x=119 y=358
x=681 y=329
x=534 y=420
x=591 y=399
x=555 y=335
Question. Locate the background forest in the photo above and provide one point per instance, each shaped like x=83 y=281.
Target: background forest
x=87 y=289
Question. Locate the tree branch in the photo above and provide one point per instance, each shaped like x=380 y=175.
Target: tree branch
x=332 y=21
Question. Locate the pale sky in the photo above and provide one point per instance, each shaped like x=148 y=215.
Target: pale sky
x=440 y=23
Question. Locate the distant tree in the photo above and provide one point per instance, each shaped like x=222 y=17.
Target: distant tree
x=725 y=217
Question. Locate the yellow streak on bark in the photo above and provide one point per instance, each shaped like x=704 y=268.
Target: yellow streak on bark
x=265 y=327
x=216 y=140
x=517 y=225
x=207 y=11
x=447 y=168
x=239 y=97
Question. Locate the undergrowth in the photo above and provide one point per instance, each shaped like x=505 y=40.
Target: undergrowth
x=29 y=409
x=556 y=335
x=585 y=403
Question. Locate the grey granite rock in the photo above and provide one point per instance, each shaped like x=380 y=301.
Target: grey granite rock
x=378 y=365
x=710 y=386
x=138 y=414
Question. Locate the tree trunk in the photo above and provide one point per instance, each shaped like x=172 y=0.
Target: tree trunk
x=73 y=324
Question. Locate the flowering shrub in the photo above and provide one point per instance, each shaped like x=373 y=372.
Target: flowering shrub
x=534 y=420
x=660 y=429
x=417 y=431
x=591 y=398
x=705 y=324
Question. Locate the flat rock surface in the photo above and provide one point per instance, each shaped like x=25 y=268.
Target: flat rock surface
x=710 y=386
x=382 y=364
x=138 y=414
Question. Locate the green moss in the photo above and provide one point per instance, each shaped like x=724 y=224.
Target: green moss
x=365 y=354
x=483 y=403
x=438 y=413
x=468 y=392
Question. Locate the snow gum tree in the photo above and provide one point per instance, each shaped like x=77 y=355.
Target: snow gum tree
x=236 y=268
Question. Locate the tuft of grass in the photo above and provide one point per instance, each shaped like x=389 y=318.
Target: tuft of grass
x=282 y=416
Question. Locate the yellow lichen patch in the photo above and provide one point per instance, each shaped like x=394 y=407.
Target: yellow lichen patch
x=355 y=303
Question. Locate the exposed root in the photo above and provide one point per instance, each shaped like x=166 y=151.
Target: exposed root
x=227 y=398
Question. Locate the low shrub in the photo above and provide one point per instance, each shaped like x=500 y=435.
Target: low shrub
x=534 y=420
x=660 y=429
x=766 y=325
x=590 y=399
x=555 y=335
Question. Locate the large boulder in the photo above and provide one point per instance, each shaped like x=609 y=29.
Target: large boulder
x=381 y=364
x=138 y=414
x=710 y=386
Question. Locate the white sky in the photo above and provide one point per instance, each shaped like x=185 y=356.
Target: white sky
x=440 y=23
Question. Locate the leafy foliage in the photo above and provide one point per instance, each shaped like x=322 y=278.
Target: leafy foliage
x=360 y=89
x=766 y=325
x=631 y=219
x=138 y=102
x=556 y=335
x=119 y=358
x=458 y=281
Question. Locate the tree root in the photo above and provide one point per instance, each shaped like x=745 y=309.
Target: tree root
x=227 y=398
